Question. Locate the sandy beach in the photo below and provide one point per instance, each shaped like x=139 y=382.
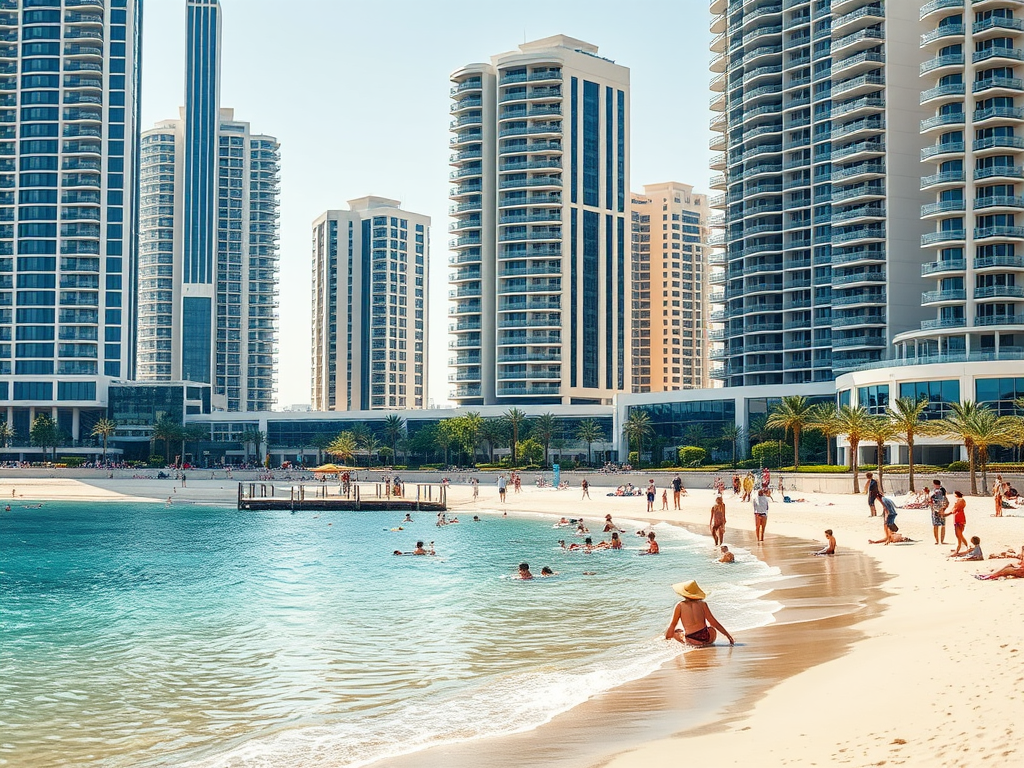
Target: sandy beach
x=925 y=668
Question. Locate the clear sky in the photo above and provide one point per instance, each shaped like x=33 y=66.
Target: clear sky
x=357 y=93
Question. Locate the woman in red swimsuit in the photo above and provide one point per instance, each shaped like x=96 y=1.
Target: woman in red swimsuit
x=700 y=627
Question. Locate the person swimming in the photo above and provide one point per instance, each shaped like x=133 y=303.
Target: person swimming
x=524 y=572
x=652 y=545
x=545 y=571
x=408 y=519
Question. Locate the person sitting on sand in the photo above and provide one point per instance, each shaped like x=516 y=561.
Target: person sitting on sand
x=545 y=571
x=700 y=627
x=895 y=538
x=1011 y=571
x=727 y=556
x=652 y=545
x=524 y=572
x=971 y=554
x=831 y=548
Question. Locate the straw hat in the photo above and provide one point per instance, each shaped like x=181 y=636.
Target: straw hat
x=689 y=590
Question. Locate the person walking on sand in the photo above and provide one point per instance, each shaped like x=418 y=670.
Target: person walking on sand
x=873 y=490
x=748 y=486
x=651 y=493
x=959 y=522
x=677 y=490
x=476 y=488
x=718 y=521
x=586 y=489
x=700 y=627
x=502 y=485
x=760 y=514
x=939 y=504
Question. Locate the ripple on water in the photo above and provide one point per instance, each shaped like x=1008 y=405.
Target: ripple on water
x=137 y=635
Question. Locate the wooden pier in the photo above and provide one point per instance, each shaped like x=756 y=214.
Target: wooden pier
x=355 y=496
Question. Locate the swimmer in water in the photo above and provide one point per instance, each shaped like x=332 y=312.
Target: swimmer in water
x=727 y=556
x=407 y=519
x=545 y=571
x=616 y=541
x=524 y=572
x=652 y=545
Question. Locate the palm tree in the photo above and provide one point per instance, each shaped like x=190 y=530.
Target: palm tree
x=544 y=430
x=730 y=435
x=394 y=430
x=853 y=422
x=695 y=435
x=960 y=425
x=104 y=428
x=515 y=418
x=793 y=412
x=320 y=441
x=469 y=431
x=990 y=429
x=492 y=432
x=256 y=438
x=193 y=433
x=589 y=431
x=371 y=445
x=45 y=434
x=7 y=434
x=907 y=414
x=167 y=429
x=824 y=419
x=881 y=429
x=637 y=427
x=343 y=447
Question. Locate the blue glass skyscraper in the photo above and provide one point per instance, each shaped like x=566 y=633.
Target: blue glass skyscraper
x=69 y=85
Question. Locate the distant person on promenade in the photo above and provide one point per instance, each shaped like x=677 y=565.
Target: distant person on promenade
x=651 y=493
x=586 y=489
x=502 y=485
x=677 y=491
x=960 y=522
x=830 y=549
x=718 y=520
x=727 y=556
x=700 y=627
x=873 y=490
x=939 y=504
x=760 y=514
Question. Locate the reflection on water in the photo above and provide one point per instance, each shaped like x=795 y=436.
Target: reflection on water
x=139 y=635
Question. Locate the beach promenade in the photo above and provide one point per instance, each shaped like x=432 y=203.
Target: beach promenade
x=936 y=677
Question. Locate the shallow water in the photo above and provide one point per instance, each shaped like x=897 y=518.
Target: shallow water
x=138 y=635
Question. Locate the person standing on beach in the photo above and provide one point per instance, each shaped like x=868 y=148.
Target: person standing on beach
x=939 y=504
x=677 y=490
x=718 y=521
x=700 y=627
x=997 y=493
x=476 y=488
x=872 y=489
x=502 y=484
x=889 y=519
x=960 y=521
x=651 y=493
x=760 y=514
x=586 y=489
x=748 y=486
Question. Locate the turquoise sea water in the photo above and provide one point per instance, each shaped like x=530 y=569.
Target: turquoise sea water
x=138 y=635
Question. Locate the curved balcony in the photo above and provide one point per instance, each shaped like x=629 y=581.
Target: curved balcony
x=941 y=94
x=466 y=86
x=860 y=172
x=931 y=210
x=466 y=103
x=998 y=86
x=933 y=7
x=992 y=292
x=465 y=137
x=999 y=262
x=999 y=232
x=999 y=173
x=996 y=26
x=943 y=323
x=996 y=202
x=944 y=149
x=536 y=129
x=464 y=275
x=860 y=150
x=948 y=236
x=857 y=107
x=858 y=278
x=537 y=199
x=857 y=19
x=948 y=34
x=534 y=235
x=858 y=86
x=987 y=321
x=464 y=121
x=466 y=188
x=1002 y=114
x=858 y=41
x=948 y=296
x=943 y=267
x=868 y=191
x=467 y=257
x=996 y=144
x=941 y=121
x=946 y=179
x=941 y=65
x=857 y=215
x=861 y=297
x=998 y=56
x=534 y=182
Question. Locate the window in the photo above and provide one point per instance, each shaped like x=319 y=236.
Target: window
x=939 y=393
x=875 y=399
x=999 y=394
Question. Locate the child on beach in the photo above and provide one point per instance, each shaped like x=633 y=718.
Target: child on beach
x=831 y=548
x=973 y=554
x=664 y=500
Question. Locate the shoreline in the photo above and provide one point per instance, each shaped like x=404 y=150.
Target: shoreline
x=946 y=647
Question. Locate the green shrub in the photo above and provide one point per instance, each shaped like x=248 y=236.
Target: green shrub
x=1004 y=466
x=72 y=461
x=691 y=455
x=830 y=469
x=666 y=464
x=957 y=466
x=634 y=459
x=156 y=460
x=767 y=454
x=430 y=466
x=748 y=464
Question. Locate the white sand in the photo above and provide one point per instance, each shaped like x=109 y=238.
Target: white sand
x=938 y=679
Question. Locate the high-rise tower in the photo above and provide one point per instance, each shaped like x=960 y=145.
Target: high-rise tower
x=208 y=265
x=540 y=287
x=370 y=307
x=69 y=85
x=818 y=133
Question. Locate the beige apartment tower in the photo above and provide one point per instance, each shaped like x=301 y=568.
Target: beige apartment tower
x=669 y=312
x=370 y=307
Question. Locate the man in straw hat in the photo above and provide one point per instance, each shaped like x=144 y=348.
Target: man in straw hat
x=699 y=625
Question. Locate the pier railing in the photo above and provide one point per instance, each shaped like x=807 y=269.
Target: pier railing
x=351 y=495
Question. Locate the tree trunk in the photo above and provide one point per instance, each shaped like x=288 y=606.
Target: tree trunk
x=983 y=455
x=854 y=447
x=879 y=455
x=828 y=449
x=973 y=468
x=910 y=460
x=796 y=450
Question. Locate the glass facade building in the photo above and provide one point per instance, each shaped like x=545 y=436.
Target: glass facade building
x=540 y=279
x=370 y=268
x=819 y=111
x=208 y=261
x=69 y=86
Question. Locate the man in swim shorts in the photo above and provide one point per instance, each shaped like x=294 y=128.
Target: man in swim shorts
x=700 y=627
